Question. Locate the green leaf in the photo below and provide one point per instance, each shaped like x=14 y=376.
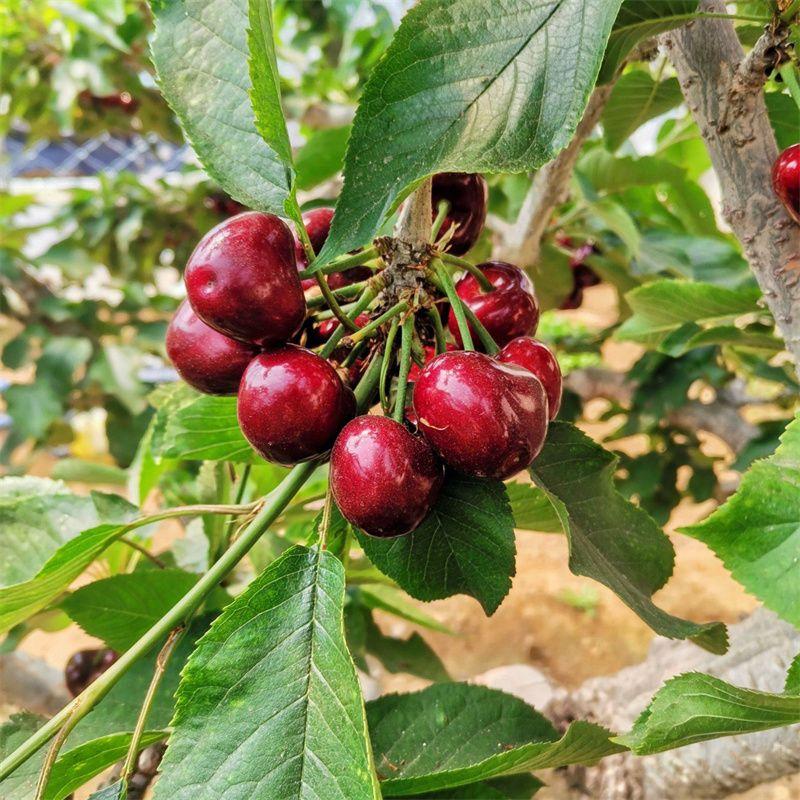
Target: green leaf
x=201 y=56
x=783 y=116
x=269 y=700
x=663 y=306
x=455 y=734
x=432 y=103
x=792 y=685
x=321 y=157
x=465 y=546
x=610 y=539
x=33 y=407
x=756 y=532
x=609 y=173
x=515 y=787
x=387 y=598
x=83 y=471
x=635 y=99
x=695 y=708
x=532 y=509
x=690 y=336
x=121 y=609
x=117 y=791
x=641 y=19
x=206 y=430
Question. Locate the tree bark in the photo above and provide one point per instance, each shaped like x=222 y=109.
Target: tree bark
x=723 y=91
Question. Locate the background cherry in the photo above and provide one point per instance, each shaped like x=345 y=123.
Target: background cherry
x=384 y=479
x=509 y=311
x=468 y=195
x=206 y=359
x=786 y=180
x=292 y=404
x=482 y=417
x=241 y=279
x=536 y=357
x=86 y=666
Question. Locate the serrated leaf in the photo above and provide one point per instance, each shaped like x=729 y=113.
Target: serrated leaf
x=117 y=791
x=792 y=685
x=455 y=734
x=663 y=306
x=201 y=57
x=432 y=103
x=515 y=787
x=610 y=539
x=532 y=509
x=756 y=532
x=269 y=701
x=122 y=608
x=695 y=708
x=641 y=19
x=635 y=99
x=465 y=546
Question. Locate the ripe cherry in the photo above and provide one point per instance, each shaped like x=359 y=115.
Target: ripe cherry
x=384 y=479
x=292 y=404
x=468 y=195
x=85 y=667
x=206 y=359
x=786 y=180
x=241 y=280
x=510 y=310
x=482 y=417
x=537 y=358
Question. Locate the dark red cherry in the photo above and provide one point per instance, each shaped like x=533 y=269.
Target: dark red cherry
x=510 y=310
x=482 y=417
x=468 y=195
x=292 y=404
x=86 y=666
x=384 y=479
x=206 y=359
x=241 y=280
x=786 y=180
x=536 y=357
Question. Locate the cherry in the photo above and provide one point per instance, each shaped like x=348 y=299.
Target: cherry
x=482 y=417
x=384 y=479
x=87 y=666
x=510 y=310
x=573 y=300
x=241 y=280
x=206 y=359
x=786 y=180
x=292 y=404
x=537 y=358
x=468 y=195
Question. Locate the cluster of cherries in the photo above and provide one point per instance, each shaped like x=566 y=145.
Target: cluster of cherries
x=247 y=328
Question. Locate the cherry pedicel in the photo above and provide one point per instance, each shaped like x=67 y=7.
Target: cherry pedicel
x=292 y=404
x=206 y=359
x=786 y=180
x=241 y=280
x=510 y=310
x=482 y=417
x=467 y=195
x=536 y=357
x=384 y=478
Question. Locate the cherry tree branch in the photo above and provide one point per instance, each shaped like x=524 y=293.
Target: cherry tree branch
x=723 y=90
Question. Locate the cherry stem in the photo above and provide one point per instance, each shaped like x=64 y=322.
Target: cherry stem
x=371 y=328
x=455 y=303
x=77 y=713
x=353 y=355
x=342 y=293
x=488 y=342
x=369 y=294
x=325 y=522
x=341 y=264
x=441 y=216
x=161 y=664
x=405 y=367
x=473 y=270
x=438 y=330
x=328 y=314
x=366 y=386
x=333 y=303
x=386 y=362
x=302 y=233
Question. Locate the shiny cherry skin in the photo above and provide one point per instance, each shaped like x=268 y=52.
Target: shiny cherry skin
x=241 y=280
x=384 y=479
x=292 y=404
x=786 y=180
x=481 y=417
x=468 y=196
x=206 y=359
x=538 y=358
x=510 y=310
x=85 y=667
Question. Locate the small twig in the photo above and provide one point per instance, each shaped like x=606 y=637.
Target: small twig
x=414 y=223
x=441 y=216
x=144 y=551
x=76 y=715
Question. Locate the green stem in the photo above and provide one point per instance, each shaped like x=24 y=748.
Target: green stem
x=273 y=505
x=308 y=248
x=366 y=386
x=354 y=354
x=438 y=330
x=369 y=294
x=791 y=12
x=328 y=314
x=341 y=264
x=441 y=216
x=242 y=485
x=455 y=303
x=473 y=270
x=386 y=362
x=789 y=75
x=342 y=293
x=488 y=342
x=405 y=366
x=371 y=328
x=72 y=720
x=333 y=303
x=162 y=660
x=144 y=551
